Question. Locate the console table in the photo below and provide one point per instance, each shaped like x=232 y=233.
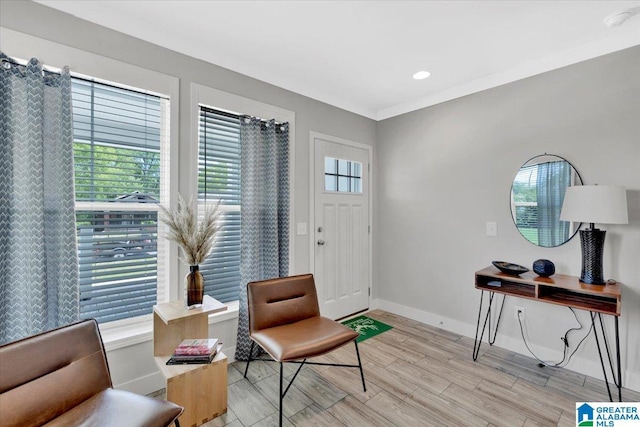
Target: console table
x=201 y=389
x=558 y=289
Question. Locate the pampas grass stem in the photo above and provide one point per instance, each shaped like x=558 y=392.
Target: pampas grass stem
x=194 y=238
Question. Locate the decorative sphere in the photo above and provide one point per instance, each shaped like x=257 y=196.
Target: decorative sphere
x=544 y=267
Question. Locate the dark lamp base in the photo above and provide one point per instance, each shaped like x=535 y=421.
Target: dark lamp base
x=592 y=241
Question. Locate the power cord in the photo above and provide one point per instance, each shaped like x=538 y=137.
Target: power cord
x=578 y=346
x=565 y=339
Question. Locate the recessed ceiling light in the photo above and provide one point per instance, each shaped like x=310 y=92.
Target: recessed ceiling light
x=616 y=19
x=620 y=18
x=421 y=75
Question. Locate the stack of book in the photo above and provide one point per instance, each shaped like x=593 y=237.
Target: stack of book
x=195 y=351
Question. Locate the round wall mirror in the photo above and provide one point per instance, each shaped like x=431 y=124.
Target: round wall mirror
x=537 y=194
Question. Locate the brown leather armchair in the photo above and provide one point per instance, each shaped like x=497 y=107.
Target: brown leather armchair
x=284 y=319
x=61 y=378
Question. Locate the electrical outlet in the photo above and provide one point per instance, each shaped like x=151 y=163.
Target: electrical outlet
x=521 y=311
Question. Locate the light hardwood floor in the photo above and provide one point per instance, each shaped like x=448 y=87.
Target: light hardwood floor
x=416 y=375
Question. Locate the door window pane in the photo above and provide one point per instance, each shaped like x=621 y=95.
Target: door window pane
x=330 y=165
x=343 y=167
x=357 y=185
x=343 y=176
x=330 y=183
x=343 y=184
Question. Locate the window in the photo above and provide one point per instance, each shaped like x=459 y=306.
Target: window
x=343 y=176
x=219 y=179
x=118 y=137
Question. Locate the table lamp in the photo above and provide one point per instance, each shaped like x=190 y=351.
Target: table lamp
x=604 y=204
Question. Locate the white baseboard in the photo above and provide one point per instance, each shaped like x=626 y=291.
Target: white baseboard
x=630 y=380
x=427 y=318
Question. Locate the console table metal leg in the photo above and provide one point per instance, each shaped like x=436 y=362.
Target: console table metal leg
x=478 y=341
x=618 y=360
x=617 y=379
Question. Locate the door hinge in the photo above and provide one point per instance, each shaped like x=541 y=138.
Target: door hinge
x=369 y=291
x=368 y=167
x=369 y=229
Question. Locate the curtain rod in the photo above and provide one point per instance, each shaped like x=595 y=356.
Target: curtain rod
x=264 y=121
x=234 y=115
x=21 y=67
x=10 y=61
x=7 y=62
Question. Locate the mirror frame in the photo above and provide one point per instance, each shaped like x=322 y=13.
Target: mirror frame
x=578 y=181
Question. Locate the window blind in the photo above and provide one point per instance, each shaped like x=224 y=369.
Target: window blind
x=117 y=143
x=117 y=258
x=117 y=136
x=219 y=179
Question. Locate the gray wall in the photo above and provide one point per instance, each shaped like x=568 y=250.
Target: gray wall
x=445 y=170
x=40 y=21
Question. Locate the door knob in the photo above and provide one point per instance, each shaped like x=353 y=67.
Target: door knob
x=320 y=242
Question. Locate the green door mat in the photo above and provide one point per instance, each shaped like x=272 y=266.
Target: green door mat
x=366 y=327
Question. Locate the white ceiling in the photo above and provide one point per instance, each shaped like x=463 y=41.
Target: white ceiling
x=360 y=55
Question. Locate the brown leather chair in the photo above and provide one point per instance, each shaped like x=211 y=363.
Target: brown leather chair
x=61 y=378
x=284 y=319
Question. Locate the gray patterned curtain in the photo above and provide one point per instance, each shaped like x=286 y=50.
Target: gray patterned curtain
x=38 y=256
x=264 y=239
x=553 y=178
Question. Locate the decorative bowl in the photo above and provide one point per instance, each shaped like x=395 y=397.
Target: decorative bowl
x=509 y=268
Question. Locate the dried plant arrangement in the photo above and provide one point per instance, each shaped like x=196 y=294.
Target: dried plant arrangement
x=195 y=238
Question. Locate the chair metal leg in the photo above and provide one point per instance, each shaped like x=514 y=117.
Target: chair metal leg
x=364 y=387
x=294 y=377
x=246 y=369
x=177 y=423
x=281 y=394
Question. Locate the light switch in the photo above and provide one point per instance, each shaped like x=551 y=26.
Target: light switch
x=302 y=229
x=492 y=229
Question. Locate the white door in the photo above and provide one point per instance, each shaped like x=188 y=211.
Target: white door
x=341 y=232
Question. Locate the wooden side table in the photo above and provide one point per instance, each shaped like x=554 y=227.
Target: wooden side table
x=201 y=389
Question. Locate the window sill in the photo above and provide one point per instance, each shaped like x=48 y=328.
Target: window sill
x=140 y=332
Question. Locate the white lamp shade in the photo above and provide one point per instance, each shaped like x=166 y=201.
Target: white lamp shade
x=603 y=204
